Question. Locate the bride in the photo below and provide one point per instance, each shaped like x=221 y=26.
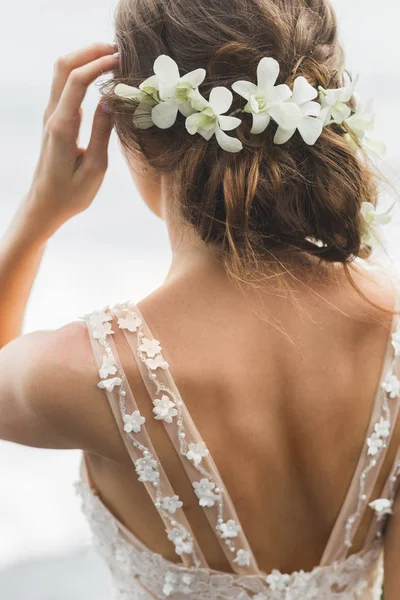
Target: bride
x=239 y=426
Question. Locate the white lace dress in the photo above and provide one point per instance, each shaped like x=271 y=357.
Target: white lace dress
x=139 y=573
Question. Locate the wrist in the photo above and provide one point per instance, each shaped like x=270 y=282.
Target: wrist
x=33 y=222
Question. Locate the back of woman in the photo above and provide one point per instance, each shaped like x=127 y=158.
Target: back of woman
x=239 y=425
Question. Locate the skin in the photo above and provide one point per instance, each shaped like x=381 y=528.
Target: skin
x=283 y=403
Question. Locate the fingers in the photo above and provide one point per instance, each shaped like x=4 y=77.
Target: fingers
x=77 y=84
x=96 y=155
x=65 y=65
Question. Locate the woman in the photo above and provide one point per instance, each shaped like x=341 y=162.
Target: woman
x=268 y=468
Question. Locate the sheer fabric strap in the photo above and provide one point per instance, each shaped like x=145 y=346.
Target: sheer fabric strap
x=383 y=506
x=134 y=433
x=374 y=451
x=197 y=461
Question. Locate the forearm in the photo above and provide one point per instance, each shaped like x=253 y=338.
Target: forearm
x=21 y=252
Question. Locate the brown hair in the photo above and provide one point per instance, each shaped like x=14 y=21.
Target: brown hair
x=267 y=202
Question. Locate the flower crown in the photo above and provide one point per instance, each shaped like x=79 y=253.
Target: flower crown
x=165 y=94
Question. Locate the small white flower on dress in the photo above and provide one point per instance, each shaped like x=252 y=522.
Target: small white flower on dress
x=108 y=368
x=374 y=444
x=230 y=529
x=102 y=330
x=146 y=468
x=110 y=384
x=204 y=491
x=150 y=347
x=392 y=386
x=169 y=583
x=382 y=506
x=164 y=409
x=360 y=587
x=396 y=342
x=382 y=429
x=277 y=581
x=130 y=321
x=186 y=582
x=133 y=422
x=242 y=558
x=171 y=504
x=100 y=317
x=157 y=363
x=197 y=452
x=181 y=541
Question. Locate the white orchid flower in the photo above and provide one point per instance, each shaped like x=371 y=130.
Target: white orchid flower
x=361 y=123
x=310 y=127
x=147 y=94
x=175 y=91
x=373 y=221
x=336 y=101
x=211 y=119
x=162 y=95
x=267 y=100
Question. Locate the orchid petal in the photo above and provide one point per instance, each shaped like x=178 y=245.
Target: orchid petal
x=325 y=116
x=283 y=135
x=167 y=90
x=207 y=133
x=195 y=78
x=311 y=109
x=280 y=93
x=228 y=123
x=366 y=209
x=164 y=114
x=151 y=82
x=340 y=112
x=127 y=91
x=186 y=109
x=286 y=114
x=245 y=89
x=198 y=101
x=220 y=100
x=310 y=130
x=347 y=92
x=303 y=91
x=260 y=122
x=166 y=69
x=142 y=116
x=267 y=73
x=193 y=123
x=227 y=142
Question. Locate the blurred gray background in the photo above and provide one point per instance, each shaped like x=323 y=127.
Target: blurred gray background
x=115 y=251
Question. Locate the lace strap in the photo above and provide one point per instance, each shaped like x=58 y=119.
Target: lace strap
x=383 y=506
x=200 y=467
x=134 y=433
x=380 y=430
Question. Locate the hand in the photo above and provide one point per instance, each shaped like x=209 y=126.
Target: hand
x=67 y=177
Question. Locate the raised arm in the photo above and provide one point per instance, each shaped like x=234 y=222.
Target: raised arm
x=39 y=373
x=65 y=182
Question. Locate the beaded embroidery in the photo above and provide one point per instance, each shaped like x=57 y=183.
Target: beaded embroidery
x=147 y=465
x=377 y=442
x=169 y=409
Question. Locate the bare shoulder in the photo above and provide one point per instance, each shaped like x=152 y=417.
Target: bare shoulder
x=50 y=397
